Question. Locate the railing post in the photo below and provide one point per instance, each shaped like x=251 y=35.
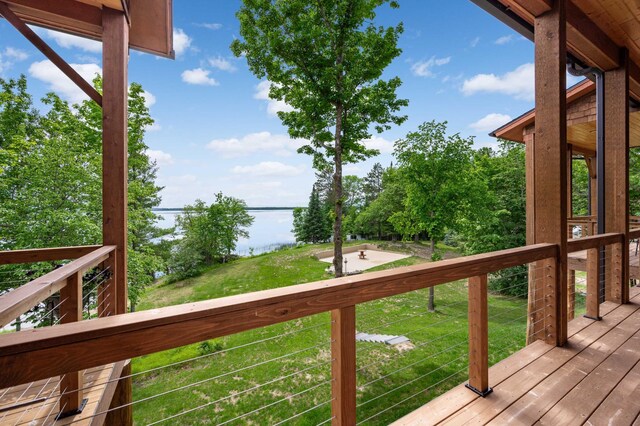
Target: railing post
x=71 y=399
x=478 y=336
x=571 y=294
x=617 y=290
x=593 y=281
x=343 y=367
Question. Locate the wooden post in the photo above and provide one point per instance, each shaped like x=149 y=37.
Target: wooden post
x=122 y=397
x=71 y=401
x=343 y=368
x=478 y=336
x=593 y=278
x=115 y=55
x=571 y=294
x=550 y=167
x=616 y=275
x=616 y=119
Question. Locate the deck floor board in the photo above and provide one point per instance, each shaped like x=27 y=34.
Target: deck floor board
x=586 y=381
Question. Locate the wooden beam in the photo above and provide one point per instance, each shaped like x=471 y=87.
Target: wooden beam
x=106 y=340
x=616 y=155
x=535 y=7
x=593 y=241
x=550 y=168
x=588 y=41
x=478 y=336
x=115 y=56
x=43 y=47
x=343 y=367
x=12 y=257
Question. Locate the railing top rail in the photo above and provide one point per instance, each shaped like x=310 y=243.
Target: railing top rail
x=105 y=340
x=11 y=257
x=18 y=301
x=594 y=241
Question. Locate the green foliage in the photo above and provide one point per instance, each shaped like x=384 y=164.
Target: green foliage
x=210 y=234
x=374 y=219
x=311 y=225
x=325 y=59
x=438 y=174
x=51 y=174
x=209 y=346
x=580 y=187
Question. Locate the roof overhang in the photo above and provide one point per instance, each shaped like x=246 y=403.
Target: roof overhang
x=151 y=21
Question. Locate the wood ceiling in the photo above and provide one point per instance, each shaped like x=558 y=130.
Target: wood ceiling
x=151 y=20
x=596 y=30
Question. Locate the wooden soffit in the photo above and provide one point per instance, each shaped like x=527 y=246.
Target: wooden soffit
x=151 y=20
x=596 y=30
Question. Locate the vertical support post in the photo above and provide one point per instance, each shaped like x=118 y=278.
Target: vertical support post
x=571 y=294
x=115 y=170
x=343 y=368
x=478 y=336
x=115 y=54
x=122 y=398
x=71 y=401
x=616 y=159
x=550 y=168
x=593 y=280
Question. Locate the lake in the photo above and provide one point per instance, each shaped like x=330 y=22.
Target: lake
x=269 y=229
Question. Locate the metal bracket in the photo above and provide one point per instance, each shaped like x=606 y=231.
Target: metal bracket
x=593 y=318
x=478 y=391
x=71 y=413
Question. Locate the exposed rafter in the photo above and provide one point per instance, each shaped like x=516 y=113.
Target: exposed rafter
x=42 y=46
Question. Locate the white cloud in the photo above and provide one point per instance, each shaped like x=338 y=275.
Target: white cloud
x=281 y=145
x=490 y=122
x=424 y=68
x=273 y=106
x=181 y=41
x=15 y=54
x=222 y=64
x=518 y=83
x=381 y=144
x=210 y=26
x=47 y=72
x=69 y=41
x=269 y=168
x=9 y=56
x=149 y=99
x=474 y=42
x=504 y=40
x=160 y=157
x=199 y=76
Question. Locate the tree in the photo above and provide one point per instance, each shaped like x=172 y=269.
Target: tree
x=376 y=218
x=372 y=186
x=325 y=60
x=439 y=177
x=210 y=234
x=50 y=178
x=309 y=225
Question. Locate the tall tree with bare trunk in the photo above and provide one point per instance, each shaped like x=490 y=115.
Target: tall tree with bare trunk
x=324 y=59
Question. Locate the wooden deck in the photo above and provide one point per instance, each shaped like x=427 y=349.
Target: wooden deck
x=593 y=380
x=37 y=403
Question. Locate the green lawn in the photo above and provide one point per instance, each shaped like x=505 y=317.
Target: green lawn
x=272 y=374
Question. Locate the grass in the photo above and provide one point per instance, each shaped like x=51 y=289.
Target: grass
x=272 y=374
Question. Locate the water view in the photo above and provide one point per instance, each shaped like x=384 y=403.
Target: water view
x=270 y=229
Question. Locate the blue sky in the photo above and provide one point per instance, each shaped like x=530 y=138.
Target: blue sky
x=216 y=130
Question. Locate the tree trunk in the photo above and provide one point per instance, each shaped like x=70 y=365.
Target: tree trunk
x=337 y=191
x=432 y=303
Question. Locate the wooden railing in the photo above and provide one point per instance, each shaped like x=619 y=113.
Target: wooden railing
x=68 y=282
x=589 y=225
x=82 y=345
x=604 y=251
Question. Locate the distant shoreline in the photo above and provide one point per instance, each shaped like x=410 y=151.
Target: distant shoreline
x=179 y=209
